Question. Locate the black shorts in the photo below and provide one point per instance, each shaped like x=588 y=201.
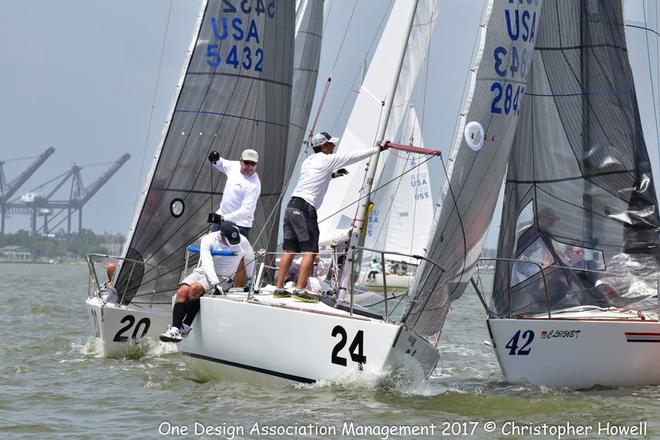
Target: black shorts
x=301 y=229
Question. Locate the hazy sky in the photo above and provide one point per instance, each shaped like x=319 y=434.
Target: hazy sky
x=81 y=75
x=86 y=77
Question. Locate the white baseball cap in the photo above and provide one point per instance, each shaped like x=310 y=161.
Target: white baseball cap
x=250 y=155
x=321 y=138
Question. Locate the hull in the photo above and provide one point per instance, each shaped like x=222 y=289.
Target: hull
x=120 y=327
x=285 y=340
x=394 y=282
x=578 y=353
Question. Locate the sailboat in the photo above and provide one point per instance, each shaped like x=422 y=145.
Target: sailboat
x=575 y=299
x=305 y=342
x=234 y=93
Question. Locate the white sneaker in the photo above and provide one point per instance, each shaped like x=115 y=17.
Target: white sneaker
x=185 y=329
x=171 y=335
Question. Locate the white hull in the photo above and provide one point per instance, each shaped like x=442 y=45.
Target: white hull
x=579 y=350
x=296 y=341
x=119 y=326
x=394 y=282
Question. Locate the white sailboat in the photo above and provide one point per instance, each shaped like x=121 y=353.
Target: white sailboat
x=575 y=301
x=244 y=334
x=300 y=341
x=219 y=105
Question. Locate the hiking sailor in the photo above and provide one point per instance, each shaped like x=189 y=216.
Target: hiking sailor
x=242 y=190
x=301 y=230
x=214 y=273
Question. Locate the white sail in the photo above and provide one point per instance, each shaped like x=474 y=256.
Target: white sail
x=400 y=219
x=340 y=202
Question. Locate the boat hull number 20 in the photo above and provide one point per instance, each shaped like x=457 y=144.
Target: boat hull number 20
x=142 y=325
x=355 y=349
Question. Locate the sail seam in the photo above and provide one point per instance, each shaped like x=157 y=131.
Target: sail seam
x=200 y=112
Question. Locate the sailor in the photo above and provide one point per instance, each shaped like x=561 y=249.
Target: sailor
x=242 y=190
x=214 y=274
x=301 y=231
x=375 y=269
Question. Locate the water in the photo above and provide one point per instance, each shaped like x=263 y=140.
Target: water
x=54 y=383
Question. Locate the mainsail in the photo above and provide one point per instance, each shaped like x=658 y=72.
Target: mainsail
x=494 y=101
x=234 y=94
x=580 y=198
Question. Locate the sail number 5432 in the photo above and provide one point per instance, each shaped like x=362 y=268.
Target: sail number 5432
x=355 y=349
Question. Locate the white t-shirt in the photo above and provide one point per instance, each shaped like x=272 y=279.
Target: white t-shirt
x=239 y=198
x=316 y=172
x=221 y=265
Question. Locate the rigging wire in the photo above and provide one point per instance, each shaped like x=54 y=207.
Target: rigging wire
x=153 y=104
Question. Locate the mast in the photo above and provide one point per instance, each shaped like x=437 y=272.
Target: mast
x=365 y=198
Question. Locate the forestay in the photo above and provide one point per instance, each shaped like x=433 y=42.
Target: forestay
x=494 y=100
x=580 y=198
x=234 y=94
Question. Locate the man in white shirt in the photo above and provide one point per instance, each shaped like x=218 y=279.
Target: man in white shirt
x=301 y=230
x=214 y=273
x=242 y=190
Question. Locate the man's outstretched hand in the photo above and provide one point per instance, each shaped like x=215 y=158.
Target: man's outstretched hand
x=340 y=172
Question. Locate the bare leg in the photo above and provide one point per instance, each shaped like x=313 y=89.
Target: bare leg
x=110 y=270
x=305 y=269
x=285 y=264
x=240 y=278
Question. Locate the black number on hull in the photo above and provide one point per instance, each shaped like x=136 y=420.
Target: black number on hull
x=355 y=349
x=130 y=320
x=512 y=345
x=336 y=359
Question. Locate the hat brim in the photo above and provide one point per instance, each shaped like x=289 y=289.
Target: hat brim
x=333 y=140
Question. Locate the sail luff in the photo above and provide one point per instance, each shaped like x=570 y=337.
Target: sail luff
x=235 y=95
x=166 y=124
x=479 y=165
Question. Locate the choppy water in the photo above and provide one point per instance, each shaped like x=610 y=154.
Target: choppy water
x=55 y=384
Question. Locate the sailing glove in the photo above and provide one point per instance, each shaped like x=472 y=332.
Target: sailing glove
x=340 y=172
x=384 y=145
x=214 y=156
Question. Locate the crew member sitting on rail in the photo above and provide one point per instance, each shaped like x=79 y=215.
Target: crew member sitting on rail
x=214 y=274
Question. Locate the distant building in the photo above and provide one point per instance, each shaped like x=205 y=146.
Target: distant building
x=16 y=253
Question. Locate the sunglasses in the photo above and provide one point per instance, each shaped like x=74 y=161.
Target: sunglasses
x=250 y=163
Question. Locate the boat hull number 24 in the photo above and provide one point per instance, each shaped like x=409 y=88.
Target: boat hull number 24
x=355 y=349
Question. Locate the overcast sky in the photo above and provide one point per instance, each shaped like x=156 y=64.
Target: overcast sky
x=87 y=77
x=81 y=75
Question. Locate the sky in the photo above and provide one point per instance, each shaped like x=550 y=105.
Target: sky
x=95 y=79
